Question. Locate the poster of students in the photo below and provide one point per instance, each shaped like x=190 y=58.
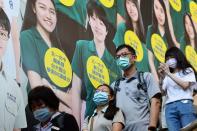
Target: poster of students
x=69 y=45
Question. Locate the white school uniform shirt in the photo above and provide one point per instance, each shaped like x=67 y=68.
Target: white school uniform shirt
x=176 y=92
x=12 y=109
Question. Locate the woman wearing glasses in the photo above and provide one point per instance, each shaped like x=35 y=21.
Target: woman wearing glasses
x=106 y=116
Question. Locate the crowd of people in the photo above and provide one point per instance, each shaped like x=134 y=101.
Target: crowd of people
x=142 y=78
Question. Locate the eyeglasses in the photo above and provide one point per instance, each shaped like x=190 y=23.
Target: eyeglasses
x=124 y=55
x=4 y=35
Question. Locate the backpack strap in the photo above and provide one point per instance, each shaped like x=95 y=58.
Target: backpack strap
x=142 y=83
x=116 y=86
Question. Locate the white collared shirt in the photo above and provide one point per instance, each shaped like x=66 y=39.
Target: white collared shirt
x=12 y=109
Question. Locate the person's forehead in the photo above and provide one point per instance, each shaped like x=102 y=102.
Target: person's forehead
x=170 y=57
x=38 y=102
x=123 y=50
x=103 y=87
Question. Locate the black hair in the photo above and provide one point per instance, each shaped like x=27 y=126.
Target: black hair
x=170 y=42
x=94 y=8
x=140 y=27
x=182 y=62
x=45 y=94
x=186 y=35
x=126 y=46
x=112 y=109
x=30 y=21
x=4 y=21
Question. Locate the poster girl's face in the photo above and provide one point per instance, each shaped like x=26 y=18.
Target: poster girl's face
x=189 y=28
x=45 y=15
x=159 y=13
x=98 y=28
x=132 y=10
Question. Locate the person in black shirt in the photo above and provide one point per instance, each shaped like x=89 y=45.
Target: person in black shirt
x=44 y=105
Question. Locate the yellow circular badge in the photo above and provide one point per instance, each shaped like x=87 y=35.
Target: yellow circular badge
x=97 y=71
x=176 y=5
x=191 y=56
x=107 y=3
x=159 y=47
x=132 y=40
x=193 y=10
x=67 y=2
x=58 y=67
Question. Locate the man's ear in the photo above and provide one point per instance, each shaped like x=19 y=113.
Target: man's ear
x=135 y=57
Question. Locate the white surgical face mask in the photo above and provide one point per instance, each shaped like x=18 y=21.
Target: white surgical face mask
x=172 y=63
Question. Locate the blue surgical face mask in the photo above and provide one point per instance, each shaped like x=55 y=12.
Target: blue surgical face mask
x=172 y=63
x=123 y=62
x=42 y=114
x=100 y=98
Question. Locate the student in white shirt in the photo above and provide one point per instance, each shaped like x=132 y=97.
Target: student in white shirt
x=178 y=79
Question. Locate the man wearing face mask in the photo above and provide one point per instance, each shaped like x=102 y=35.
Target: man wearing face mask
x=44 y=105
x=177 y=83
x=139 y=102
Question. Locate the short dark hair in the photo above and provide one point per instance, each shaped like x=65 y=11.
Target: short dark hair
x=126 y=46
x=4 y=21
x=93 y=7
x=45 y=94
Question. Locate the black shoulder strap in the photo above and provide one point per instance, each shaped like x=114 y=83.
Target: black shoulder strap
x=142 y=83
x=64 y=121
x=116 y=86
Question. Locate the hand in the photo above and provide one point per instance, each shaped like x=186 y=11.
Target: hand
x=161 y=72
x=165 y=68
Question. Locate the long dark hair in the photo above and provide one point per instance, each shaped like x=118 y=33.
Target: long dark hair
x=182 y=62
x=166 y=26
x=140 y=27
x=30 y=21
x=93 y=7
x=186 y=35
x=112 y=109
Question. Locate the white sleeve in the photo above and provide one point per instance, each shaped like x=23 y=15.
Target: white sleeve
x=190 y=77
